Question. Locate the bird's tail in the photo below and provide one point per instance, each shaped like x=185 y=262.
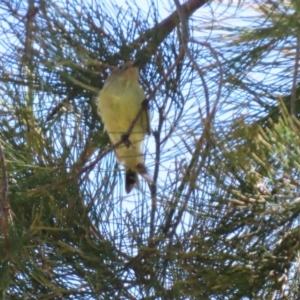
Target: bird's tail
x=131 y=177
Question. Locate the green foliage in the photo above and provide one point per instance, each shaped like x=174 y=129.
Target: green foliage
x=222 y=221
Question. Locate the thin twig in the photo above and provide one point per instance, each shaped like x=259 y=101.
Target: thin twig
x=221 y=80
x=5 y=212
x=158 y=143
x=29 y=36
x=4 y=184
x=90 y=166
x=295 y=77
x=210 y=115
x=185 y=40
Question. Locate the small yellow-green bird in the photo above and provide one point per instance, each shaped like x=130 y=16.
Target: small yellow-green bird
x=119 y=102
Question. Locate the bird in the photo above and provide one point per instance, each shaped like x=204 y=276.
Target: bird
x=119 y=103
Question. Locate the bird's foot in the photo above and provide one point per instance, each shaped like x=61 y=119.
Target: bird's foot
x=125 y=140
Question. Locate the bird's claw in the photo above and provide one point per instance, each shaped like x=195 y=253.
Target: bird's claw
x=125 y=140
